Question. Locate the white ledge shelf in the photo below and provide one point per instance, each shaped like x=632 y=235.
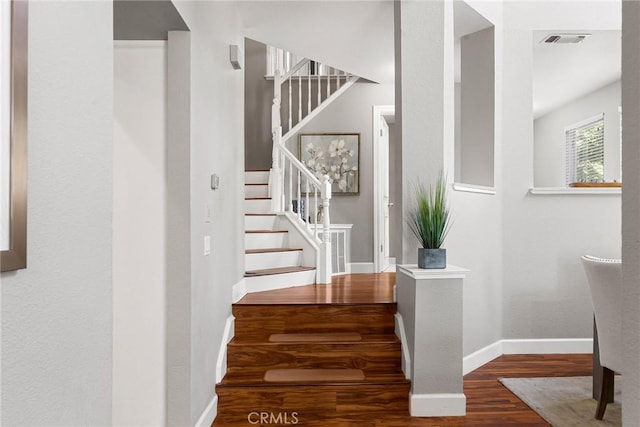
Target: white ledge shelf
x=470 y=188
x=451 y=272
x=574 y=191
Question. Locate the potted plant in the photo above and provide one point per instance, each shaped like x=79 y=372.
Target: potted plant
x=429 y=221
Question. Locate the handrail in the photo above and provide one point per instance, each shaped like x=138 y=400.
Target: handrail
x=302 y=168
x=295 y=69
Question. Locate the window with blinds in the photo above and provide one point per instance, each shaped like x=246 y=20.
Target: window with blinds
x=585 y=151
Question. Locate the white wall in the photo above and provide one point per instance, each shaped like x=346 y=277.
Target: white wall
x=139 y=235
x=475 y=243
x=549 y=138
x=420 y=75
x=545 y=293
x=57 y=314
x=217 y=146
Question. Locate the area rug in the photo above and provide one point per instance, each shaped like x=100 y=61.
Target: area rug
x=565 y=401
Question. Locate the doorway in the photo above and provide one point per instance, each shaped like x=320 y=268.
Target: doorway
x=384 y=215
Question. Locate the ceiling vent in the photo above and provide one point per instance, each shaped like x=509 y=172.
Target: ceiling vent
x=564 y=38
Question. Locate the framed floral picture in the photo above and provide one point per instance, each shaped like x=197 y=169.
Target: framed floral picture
x=336 y=155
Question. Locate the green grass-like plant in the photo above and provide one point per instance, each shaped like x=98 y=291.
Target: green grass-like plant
x=429 y=220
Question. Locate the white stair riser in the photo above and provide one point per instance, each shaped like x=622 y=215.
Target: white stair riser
x=260 y=222
x=253 y=177
x=265 y=260
x=257 y=206
x=265 y=240
x=279 y=281
x=256 y=191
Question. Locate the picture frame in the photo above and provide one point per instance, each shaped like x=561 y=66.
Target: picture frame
x=336 y=155
x=13 y=134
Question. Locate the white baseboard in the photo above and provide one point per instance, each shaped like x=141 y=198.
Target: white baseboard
x=239 y=290
x=406 y=356
x=227 y=335
x=481 y=357
x=361 y=267
x=525 y=346
x=209 y=414
x=437 y=405
x=547 y=346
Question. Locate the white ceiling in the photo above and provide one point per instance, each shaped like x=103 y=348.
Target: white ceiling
x=565 y=72
x=355 y=36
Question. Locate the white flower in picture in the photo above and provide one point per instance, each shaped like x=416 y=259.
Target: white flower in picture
x=335 y=156
x=336 y=147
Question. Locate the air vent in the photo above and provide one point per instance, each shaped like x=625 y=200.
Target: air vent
x=564 y=38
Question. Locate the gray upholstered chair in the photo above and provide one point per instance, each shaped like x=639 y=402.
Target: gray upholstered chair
x=605 y=283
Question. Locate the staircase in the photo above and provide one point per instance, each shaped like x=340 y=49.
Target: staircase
x=324 y=364
x=300 y=94
x=270 y=262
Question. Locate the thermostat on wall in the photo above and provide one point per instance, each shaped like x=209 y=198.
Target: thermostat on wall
x=215 y=182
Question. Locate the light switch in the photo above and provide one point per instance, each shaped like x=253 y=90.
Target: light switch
x=215 y=181
x=207 y=245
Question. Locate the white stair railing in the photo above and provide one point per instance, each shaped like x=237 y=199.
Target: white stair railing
x=290 y=180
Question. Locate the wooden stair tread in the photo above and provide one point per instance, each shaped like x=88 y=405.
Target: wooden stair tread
x=257 y=198
x=271 y=250
x=279 y=270
x=255 y=184
x=365 y=339
x=265 y=231
x=257 y=170
x=311 y=377
x=297 y=375
x=319 y=337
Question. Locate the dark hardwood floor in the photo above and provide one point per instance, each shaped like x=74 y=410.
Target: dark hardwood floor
x=347 y=289
x=488 y=402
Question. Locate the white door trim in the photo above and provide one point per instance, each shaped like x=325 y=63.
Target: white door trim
x=378 y=112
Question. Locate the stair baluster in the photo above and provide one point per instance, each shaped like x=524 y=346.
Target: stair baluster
x=319 y=86
x=309 y=90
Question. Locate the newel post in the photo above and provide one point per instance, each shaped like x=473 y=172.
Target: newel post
x=324 y=269
x=276 y=178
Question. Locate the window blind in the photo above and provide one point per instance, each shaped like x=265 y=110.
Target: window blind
x=585 y=151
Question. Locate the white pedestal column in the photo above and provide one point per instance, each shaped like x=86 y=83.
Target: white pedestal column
x=430 y=306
